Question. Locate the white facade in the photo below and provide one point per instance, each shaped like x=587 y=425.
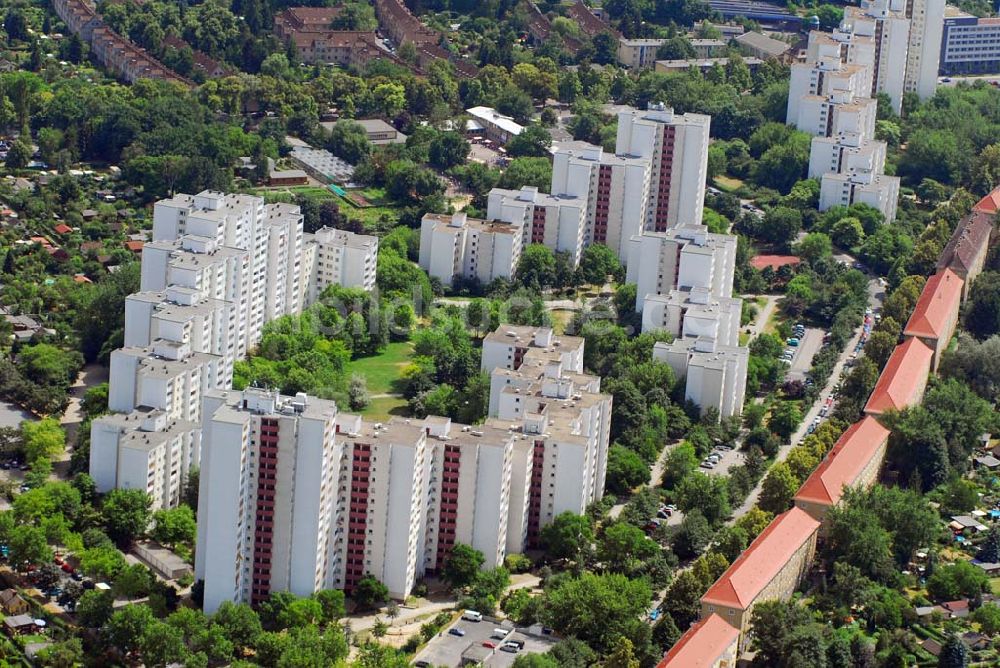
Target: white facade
x=558 y=222
x=715 y=375
x=639 y=53
x=218 y=268
x=511 y=345
x=342 y=258
x=456 y=245
x=694 y=313
x=615 y=187
x=886 y=23
x=144 y=449
x=876 y=190
x=677 y=147
x=924 y=50
x=845 y=152
x=681 y=258
x=828 y=115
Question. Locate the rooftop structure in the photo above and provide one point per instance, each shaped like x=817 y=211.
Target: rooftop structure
x=935 y=315
x=709 y=643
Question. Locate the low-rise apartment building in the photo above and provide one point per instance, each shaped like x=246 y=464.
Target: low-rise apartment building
x=903 y=380
x=694 y=312
x=615 y=187
x=860 y=186
x=638 y=54
x=495 y=126
x=852 y=463
x=715 y=375
x=684 y=257
x=475 y=250
x=341 y=258
x=770 y=568
x=935 y=315
x=558 y=221
x=844 y=153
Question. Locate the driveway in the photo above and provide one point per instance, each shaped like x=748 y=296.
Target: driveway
x=808 y=346
x=875 y=295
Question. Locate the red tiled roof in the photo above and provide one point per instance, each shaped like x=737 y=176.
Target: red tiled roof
x=903 y=378
x=990 y=203
x=763 y=560
x=939 y=301
x=846 y=460
x=970 y=239
x=702 y=644
x=62 y=228
x=773 y=261
x=134 y=246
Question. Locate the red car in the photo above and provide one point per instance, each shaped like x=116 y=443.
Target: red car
x=490 y=645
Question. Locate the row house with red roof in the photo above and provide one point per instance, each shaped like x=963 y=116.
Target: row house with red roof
x=770 y=568
x=903 y=380
x=853 y=462
x=709 y=643
x=935 y=315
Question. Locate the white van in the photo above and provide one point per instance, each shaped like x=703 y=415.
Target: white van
x=472 y=616
x=499 y=634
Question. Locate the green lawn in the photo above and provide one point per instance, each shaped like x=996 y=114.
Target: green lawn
x=727 y=183
x=383 y=408
x=382 y=370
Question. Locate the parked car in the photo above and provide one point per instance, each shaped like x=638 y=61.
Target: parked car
x=489 y=644
x=455 y=631
x=510 y=647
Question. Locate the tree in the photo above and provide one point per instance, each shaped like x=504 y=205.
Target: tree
x=527 y=172
x=161 y=644
x=42 y=439
x=624 y=547
x=174 y=525
x=18 y=155
x=239 y=623
x=954 y=654
x=785 y=418
x=332 y=602
x=94 y=608
x=813 y=247
x=462 y=565
x=682 y=602
x=126 y=513
x=595 y=608
x=349 y=140
x=357 y=392
x=568 y=536
x=125 y=628
x=28 y=546
x=988 y=618
x=447 y=150
x=597 y=263
x=780 y=226
x=676 y=48
x=102 y=563
x=680 y=461
x=958 y=579
x=625 y=471
x=707 y=493
x=369 y=592
x=533 y=142
x=536 y=268
x=847 y=232
x=693 y=536
x=133 y=581
x=982 y=317
x=778 y=489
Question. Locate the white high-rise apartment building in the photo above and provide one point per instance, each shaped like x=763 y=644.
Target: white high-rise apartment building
x=339 y=257
x=218 y=268
x=295 y=496
x=886 y=23
x=616 y=188
x=715 y=374
x=845 y=152
x=823 y=90
x=681 y=258
x=558 y=222
x=924 y=50
x=677 y=147
x=144 y=449
x=456 y=245
x=268 y=485
x=694 y=312
x=864 y=187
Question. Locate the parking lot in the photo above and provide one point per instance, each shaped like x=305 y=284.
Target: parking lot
x=447 y=649
x=809 y=345
x=727 y=459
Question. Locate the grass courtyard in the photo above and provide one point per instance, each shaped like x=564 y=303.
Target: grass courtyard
x=382 y=372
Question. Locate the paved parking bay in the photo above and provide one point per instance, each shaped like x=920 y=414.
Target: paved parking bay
x=808 y=346
x=447 y=649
